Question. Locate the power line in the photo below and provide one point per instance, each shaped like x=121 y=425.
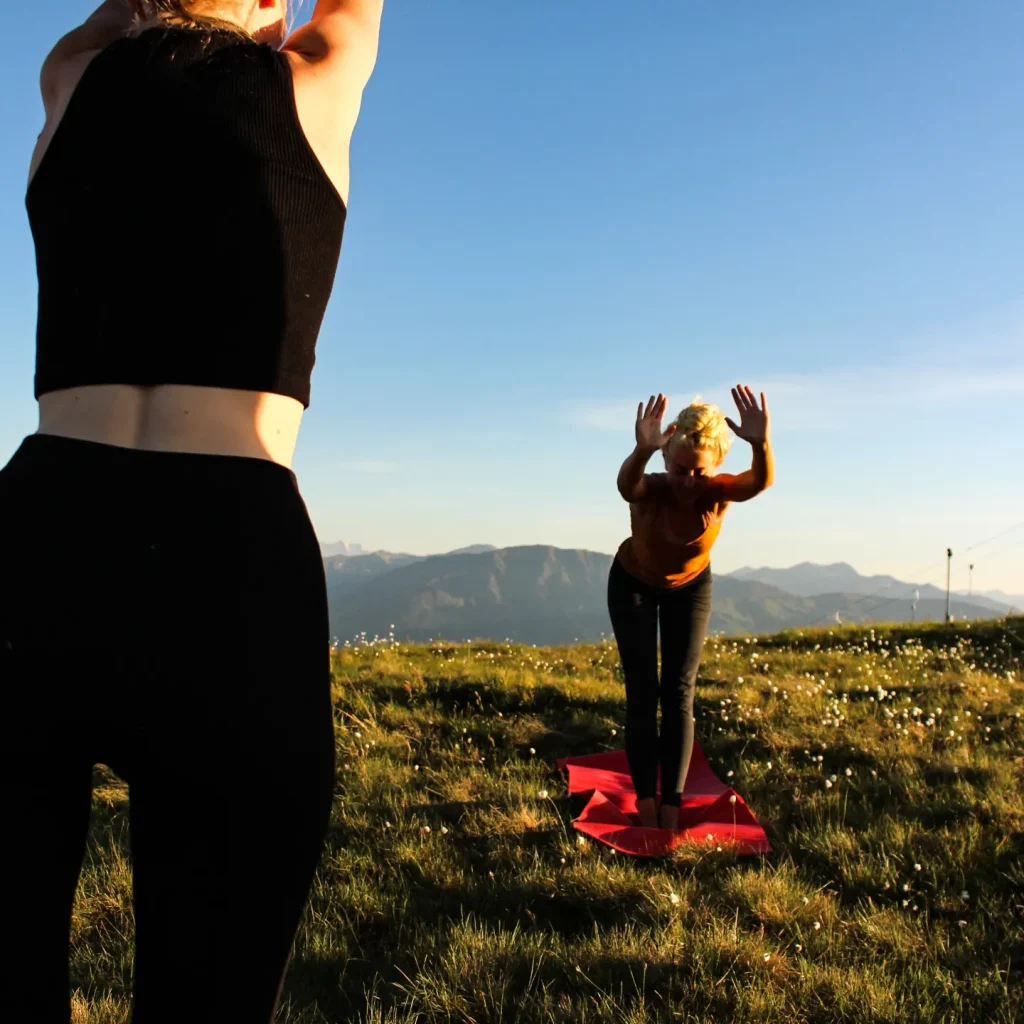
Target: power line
x=875 y=593
x=1007 y=547
x=889 y=600
x=930 y=581
x=1002 y=533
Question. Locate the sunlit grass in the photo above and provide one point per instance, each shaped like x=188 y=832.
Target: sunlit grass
x=885 y=764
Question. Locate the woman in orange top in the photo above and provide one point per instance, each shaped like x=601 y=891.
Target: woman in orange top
x=664 y=568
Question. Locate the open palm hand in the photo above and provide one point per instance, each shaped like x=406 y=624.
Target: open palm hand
x=754 y=422
x=649 y=434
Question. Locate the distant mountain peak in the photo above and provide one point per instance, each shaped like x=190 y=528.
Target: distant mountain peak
x=341 y=547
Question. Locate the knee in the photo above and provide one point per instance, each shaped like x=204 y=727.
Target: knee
x=677 y=700
x=642 y=712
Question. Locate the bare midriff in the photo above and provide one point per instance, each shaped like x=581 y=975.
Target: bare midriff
x=176 y=418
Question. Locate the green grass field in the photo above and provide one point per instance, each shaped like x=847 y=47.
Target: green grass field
x=885 y=764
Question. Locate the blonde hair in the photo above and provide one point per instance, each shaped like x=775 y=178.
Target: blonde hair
x=701 y=427
x=189 y=14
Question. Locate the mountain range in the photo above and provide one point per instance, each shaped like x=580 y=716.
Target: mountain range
x=546 y=595
x=809 y=579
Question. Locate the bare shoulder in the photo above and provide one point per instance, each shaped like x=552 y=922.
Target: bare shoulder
x=61 y=72
x=332 y=59
x=64 y=66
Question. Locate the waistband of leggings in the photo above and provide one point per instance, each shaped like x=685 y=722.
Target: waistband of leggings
x=703 y=576
x=72 y=451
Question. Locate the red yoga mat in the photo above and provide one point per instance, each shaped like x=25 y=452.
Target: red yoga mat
x=705 y=816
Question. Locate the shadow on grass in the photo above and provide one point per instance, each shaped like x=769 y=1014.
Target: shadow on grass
x=495 y=985
x=472 y=695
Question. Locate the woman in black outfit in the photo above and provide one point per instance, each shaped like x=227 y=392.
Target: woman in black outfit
x=163 y=608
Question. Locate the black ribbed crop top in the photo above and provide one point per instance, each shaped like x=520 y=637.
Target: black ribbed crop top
x=185 y=231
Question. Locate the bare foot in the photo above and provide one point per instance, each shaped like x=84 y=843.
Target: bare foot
x=648 y=811
x=669 y=817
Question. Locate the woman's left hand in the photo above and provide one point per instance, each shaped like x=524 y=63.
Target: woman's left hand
x=754 y=422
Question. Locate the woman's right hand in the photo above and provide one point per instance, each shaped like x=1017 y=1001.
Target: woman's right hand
x=649 y=435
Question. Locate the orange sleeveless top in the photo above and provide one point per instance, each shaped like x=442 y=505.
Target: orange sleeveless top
x=673 y=530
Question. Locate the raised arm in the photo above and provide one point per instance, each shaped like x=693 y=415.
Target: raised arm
x=111 y=20
x=341 y=35
x=649 y=439
x=755 y=429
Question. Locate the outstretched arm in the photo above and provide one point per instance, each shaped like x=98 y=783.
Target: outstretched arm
x=111 y=20
x=754 y=428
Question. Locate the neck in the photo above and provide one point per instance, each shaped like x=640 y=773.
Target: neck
x=201 y=16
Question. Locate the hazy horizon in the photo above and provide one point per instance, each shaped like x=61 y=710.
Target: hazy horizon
x=362 y=549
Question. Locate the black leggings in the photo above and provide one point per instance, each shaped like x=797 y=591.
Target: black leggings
x=165 y=615
x=685 y=612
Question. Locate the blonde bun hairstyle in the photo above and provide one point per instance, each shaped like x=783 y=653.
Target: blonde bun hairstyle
x=701 y=427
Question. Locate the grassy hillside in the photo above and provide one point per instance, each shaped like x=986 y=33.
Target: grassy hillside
x=885 y=764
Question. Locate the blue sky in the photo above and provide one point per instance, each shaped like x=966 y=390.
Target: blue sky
x=559 y=208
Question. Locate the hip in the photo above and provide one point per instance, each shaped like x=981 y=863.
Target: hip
x=623 y=577
x=97 y=539
x=683 y=573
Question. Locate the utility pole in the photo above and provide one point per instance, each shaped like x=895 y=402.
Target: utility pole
x=949 y=563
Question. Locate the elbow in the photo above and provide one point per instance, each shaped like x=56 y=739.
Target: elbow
x=625 y=493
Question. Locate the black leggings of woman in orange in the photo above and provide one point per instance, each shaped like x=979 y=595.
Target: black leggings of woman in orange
x=684 y=614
